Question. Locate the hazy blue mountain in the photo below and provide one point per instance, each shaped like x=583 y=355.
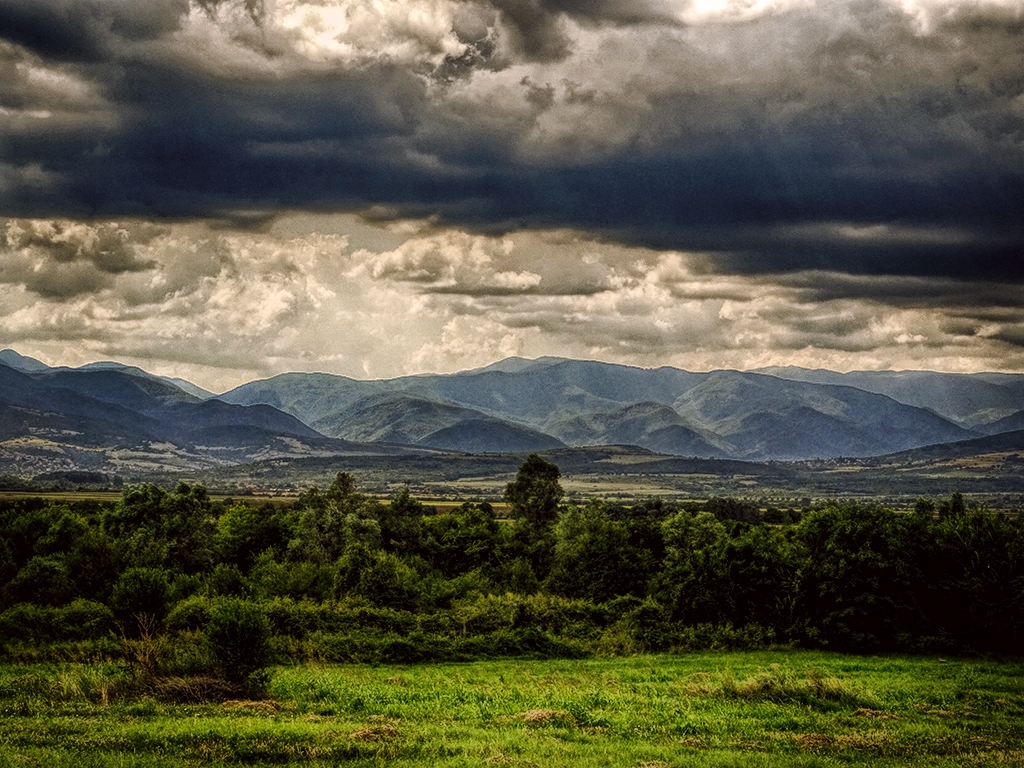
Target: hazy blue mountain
x=756 y=416
x=58 y=418
x=765 y=417
x=396 y=417
x=20 y=362
x=534 y=395
x=490 y=436
x=1010 y=423
x=34 y=410
x=648 y=425
x=189 y=387
x=308 y=396
x=722 y=413
x=968 y=399
x=161 y=409
x=516 y=365
x=560 y=389
x=391 y=417
x=107 y=365
x=124 y=388
x=1004 y=442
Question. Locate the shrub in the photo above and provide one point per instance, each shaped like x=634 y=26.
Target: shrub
x=140 y=596
x=80 y=620
x=191 y=615
x=239 y=637
x=43 y=581
x=227 y=580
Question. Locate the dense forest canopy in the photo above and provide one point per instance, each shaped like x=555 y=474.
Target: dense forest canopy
x=340 y=575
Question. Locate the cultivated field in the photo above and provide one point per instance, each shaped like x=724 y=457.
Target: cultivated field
x=770 y=708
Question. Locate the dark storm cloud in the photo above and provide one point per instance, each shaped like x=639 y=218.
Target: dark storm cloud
x=843 y=152
x=1011 y=335
x=616 y=11
x=535 y=29
x=81 y=29
x=1002 y=300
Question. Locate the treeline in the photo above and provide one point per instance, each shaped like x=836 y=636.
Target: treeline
x=341 y=576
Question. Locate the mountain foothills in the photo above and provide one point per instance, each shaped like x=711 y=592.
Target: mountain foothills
x=112 y=417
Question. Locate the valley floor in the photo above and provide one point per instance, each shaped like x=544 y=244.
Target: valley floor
x=764 y=709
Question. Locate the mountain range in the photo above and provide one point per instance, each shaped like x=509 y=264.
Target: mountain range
x=115 y=417
x=757 y=416
x=118 y=418
x=977 y=400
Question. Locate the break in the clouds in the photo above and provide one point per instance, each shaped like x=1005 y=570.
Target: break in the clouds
x=693 y=182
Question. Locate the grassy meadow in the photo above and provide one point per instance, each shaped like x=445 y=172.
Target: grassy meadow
x=766 y=708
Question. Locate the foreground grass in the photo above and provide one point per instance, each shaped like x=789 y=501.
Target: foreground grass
x=780 y=708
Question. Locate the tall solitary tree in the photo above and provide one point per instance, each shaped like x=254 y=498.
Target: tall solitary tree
x=535 y=493
x=534 y=496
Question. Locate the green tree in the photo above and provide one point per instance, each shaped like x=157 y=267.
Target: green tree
x=855 y=579
x=594 y=559
x=535 y=493
x=534 y=496
x=155 y=528
x=760 y=579
x=95 y=563
x=462 y=540
x=401 y=523
x=975 y=581
x=694 y=577
x=44 y=580
x=954 y=506
x=244 y=533
x=327 y=522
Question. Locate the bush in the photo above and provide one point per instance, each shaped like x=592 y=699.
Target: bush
x=239 y=637
x=227 y=580
x=80 y=620
x=43 y=581
x=191 y=615
x=141 y=596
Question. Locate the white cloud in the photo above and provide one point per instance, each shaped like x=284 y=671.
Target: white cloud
x=718 y=11
x=402 y=31
x=452 y=260
x=929 y=14
x=222 y=307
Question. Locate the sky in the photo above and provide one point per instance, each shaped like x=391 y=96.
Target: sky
x=224 y=190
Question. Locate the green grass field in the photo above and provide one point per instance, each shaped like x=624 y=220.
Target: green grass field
x=777 y=708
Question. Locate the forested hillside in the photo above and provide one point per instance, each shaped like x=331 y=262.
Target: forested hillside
x=342 y=576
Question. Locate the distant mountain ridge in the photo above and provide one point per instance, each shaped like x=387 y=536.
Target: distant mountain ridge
x=117 y=418
x=752 y=416
x=20 y=362
x=969 y=399
x=108 y=412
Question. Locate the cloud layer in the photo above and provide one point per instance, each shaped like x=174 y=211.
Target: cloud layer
x=780 y=133
x=696 y=182
x=222 y=306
